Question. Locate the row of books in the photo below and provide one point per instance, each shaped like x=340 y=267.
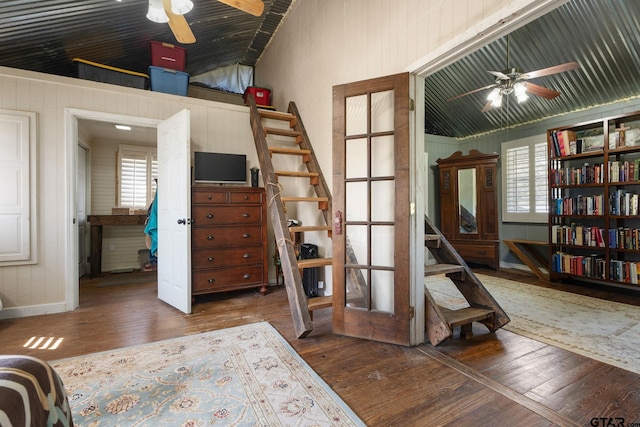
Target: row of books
x=579 y=205
x=623 y=271
x=566 y=142
x=577 y=234
x=579 y=265
x=623 y=202
x=624 y=171
x=624 y=238
x=586 y=174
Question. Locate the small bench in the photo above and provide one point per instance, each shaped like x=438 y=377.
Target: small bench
x=526 y=252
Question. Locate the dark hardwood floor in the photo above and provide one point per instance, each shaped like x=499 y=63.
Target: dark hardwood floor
x=492 y=379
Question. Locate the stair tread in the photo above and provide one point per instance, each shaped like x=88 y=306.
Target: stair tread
x=435 y=269
x=465 y=315
x=304 y=199
x=314 y=262
x=282 y=132
x=317 y=303
x=304 y=228
x=277 y=115
x=431 y=237
x=295 y=173
x=284 y=150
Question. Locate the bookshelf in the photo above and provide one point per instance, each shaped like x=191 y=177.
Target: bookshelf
x=594 y=206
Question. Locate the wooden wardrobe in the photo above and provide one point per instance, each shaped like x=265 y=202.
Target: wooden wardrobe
x=469 y=206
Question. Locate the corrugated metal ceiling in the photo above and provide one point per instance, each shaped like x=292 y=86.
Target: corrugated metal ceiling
x=45 y=35
x=603 y=36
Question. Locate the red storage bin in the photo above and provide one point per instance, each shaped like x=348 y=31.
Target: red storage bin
x=166 y=55
x=262 y=95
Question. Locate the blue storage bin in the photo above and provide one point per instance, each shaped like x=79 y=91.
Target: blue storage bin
x=168 y=81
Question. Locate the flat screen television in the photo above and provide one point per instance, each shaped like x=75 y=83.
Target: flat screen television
x=219 y=168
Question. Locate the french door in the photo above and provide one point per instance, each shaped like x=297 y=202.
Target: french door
x=371 y=210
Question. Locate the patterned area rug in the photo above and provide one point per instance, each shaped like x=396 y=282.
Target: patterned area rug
x=602 y=330
x=243 y=376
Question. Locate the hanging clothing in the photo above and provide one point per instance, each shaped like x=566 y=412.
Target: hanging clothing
x=151 y=229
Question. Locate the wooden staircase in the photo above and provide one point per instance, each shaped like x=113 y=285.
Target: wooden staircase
x=440 y=321
x=292 y=132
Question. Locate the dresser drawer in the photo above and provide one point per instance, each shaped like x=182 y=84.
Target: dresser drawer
x=223 y=257
x=214 y=215
x=226 y=236
x=476 y=251
x=245 y=197
x=205 y=196
x=220 y=279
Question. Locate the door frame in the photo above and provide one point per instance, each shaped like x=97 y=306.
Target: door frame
x=71 y=117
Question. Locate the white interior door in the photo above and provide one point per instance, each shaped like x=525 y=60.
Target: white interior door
x=174 y=208
x=83 y=229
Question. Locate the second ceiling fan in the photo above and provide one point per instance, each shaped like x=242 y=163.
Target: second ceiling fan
x=515 y=80
x=178 y=23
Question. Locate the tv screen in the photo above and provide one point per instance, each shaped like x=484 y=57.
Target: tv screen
x=220 y=168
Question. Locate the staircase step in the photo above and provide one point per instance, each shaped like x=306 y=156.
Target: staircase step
x=284 y=132
x=279 y=115
x=465 y=315
x=314 y=262
x=297 y=174
x=291 y=151
x=432 y=240
x=435 y=269
x=319 y=302
x=298 y=229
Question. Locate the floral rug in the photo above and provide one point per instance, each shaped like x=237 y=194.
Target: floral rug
x=602 y=330
x=243 y=376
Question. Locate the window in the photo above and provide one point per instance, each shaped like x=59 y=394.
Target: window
x=137 y=171
x=524 y=180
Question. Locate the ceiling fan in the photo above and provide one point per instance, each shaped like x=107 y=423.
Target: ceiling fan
x=515 y=80
x=172 y=11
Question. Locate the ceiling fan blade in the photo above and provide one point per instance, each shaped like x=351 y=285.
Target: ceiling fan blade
x=551 y=70
x=473 y=91
x=178 y=25
x=488 y=106
x=499 y=75
x=541 y=90
x=252 y=7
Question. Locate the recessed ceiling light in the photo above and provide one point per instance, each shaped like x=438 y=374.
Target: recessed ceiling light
x=123 y=127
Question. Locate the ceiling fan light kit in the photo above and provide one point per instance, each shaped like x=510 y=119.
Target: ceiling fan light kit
x=180 y=7
x=156 y=12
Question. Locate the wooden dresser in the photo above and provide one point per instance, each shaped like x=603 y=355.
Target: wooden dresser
x=228 y=238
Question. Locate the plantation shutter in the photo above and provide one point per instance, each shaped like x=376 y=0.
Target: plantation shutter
x=138 y=169
x=541 y=182
x=517 y=179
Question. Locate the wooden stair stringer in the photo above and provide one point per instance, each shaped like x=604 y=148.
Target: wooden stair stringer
x=288 y=262
x=469 y=285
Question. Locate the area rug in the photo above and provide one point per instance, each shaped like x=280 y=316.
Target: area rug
x=602 y=330
x=242 y=376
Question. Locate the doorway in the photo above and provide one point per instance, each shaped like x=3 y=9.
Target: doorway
x=74 y=120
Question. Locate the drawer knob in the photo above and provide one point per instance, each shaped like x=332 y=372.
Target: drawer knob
x=246 y=276
x=245 y=256
x=246 y=235
x=209 y=197
x=245 y=215
x=210 y=259
x=211 y=280
x=246 y=197
x=209 y=216
x=209 y=237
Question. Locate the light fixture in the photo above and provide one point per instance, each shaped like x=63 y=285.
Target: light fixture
x=507 y=87
x=123 y=127
x=180 y=7
x=156 y=12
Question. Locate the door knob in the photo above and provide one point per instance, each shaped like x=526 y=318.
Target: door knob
x=182 y=221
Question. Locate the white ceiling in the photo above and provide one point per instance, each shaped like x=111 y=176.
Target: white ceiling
x=97 y=130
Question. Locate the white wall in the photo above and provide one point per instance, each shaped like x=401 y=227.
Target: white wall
x=40 y=288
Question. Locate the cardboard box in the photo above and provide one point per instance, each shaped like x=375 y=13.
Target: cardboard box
x=88 y=70
x=167 y=55
x=169 y=81
x=261 y=95
x=120 y=211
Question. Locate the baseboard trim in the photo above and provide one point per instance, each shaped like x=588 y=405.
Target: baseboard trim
x=32 y=310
